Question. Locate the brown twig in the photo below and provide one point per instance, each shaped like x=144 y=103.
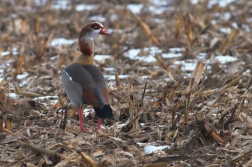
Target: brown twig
x=117 y=79
x=228 y=110
x=230 y=119
x=244 y=96
x=141 y=101
x=174 y=109
x=71 y=157
x=166 y=90
x=155 y=161
x=29 y=94
x=172 y=91
x=64 y=121
x=41 y=150
x=6 y=130
x=207 y=129
x=1 y=123
x=213 y=134
x=173 y=127
x=145 y=28
x=88 y=159
x=8 y=124
x=241 y=156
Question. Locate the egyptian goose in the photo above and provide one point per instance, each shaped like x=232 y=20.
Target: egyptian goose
x=82 y=81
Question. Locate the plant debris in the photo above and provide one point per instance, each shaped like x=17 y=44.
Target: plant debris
x=179 y=78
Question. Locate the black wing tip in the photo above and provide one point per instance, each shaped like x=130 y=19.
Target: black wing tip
x=105 y=112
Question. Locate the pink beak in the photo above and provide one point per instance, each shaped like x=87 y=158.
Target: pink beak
x=104 y=31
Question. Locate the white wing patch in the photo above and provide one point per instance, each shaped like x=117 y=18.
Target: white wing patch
x=68 y=75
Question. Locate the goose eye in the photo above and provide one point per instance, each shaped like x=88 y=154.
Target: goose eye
x=95 y=26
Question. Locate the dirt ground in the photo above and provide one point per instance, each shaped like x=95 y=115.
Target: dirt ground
x=168 y=83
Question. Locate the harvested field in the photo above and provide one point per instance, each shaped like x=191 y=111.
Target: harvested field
x=178 y=73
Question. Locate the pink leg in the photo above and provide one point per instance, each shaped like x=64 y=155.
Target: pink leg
x=80 y=113
x=99 y=124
